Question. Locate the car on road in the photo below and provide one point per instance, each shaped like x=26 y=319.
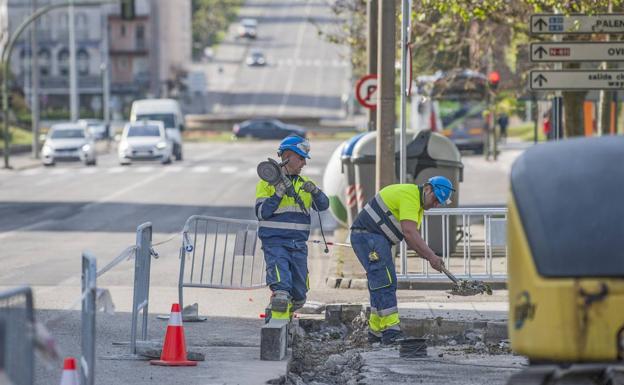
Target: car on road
x=96 y=127
x=68 y=142
x=144 y=140
x=248 y=28
x=256 y=59
x=169 y=112
x=266 y=129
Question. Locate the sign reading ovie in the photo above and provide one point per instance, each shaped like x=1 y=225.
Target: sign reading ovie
x=577 y=51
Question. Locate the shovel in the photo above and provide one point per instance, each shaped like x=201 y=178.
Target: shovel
x=466 y=288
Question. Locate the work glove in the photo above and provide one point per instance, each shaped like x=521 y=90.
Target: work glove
x=310 y=187
x=283 y=187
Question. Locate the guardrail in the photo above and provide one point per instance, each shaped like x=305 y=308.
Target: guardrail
x=17 y=319
x=224 y=254
x=473 y=243
x=87 y=317
x=142 y=264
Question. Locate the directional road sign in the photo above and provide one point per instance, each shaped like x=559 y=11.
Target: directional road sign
x=576 y=80
x=366 y=91
x=551 y=23
x=577 y=51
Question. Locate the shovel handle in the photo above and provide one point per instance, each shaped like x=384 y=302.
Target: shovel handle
x=450 y=275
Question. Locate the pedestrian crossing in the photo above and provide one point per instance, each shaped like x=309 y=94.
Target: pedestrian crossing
x=147 y=169
x=311 y=63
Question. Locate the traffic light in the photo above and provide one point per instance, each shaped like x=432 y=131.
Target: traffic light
x=493 y=80
x=127 y=10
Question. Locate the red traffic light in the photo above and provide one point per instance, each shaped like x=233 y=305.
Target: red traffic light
x=493 y=79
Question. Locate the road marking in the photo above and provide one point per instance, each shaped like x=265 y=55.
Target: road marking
x=171 y=169
x=200 y=169
x=32 y=171
x=228 y=169
x=88 y=171
x=59 y=171
x=117 y=170
x=145 y=169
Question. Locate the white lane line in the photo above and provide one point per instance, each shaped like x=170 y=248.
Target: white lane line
x=88 y=170
x=59 y=171
x=228 y=169
x=117 y=170
x=144 y=169
x=291 y=75
x=32 y=171
x=200 y=169
x=171 y=169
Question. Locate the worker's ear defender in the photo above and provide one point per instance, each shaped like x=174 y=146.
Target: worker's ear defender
x=270 y=171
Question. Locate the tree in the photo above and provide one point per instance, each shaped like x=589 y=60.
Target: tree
x=211 y=19
x=481 y=35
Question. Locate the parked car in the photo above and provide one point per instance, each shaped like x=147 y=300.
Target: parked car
x=68 y=142
x=145 y=140
x=248 y=28
x=96 y=127
x=266 y=129
x=256 y=58
x=167 y=111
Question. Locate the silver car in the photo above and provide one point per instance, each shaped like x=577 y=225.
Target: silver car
x=68 y=142
x=145 y=140
x=96 y=127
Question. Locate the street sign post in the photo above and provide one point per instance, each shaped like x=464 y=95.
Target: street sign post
x=576 y=80
x=551 y=23
x=366 y=91
x=577 y=51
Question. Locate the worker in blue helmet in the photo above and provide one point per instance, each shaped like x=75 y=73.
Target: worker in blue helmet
x=394 y=214
x=283 y=212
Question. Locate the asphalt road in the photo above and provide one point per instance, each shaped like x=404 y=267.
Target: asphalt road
x=304 y=75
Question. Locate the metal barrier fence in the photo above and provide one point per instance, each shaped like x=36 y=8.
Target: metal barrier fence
x=142 y=264
x=87 y=341
x=473 y=244
x=224 y=253
x=17 y=320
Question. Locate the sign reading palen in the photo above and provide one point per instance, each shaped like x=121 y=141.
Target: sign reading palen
x=580 y=80
x=550 y=23
x=577 y=51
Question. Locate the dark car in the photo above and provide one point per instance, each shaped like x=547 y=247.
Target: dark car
x=266 y=129
x=256 y=59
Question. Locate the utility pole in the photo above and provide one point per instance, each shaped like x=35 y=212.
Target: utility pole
x=105 y=72
x=386 y=53
x=73 y=78
x=34 y=104
x=371 y=51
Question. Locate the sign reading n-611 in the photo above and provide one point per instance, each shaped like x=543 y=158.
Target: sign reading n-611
x=576 y=80
x=577 y=51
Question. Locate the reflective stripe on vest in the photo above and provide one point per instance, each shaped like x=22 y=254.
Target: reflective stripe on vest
x=289 y=209
x=285 y=225
x=388 y=232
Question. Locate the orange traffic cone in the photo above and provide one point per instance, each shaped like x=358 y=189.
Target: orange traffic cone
x=174 y=349
x=70 y=375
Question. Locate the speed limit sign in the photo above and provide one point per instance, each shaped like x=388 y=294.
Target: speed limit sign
x=366 y=91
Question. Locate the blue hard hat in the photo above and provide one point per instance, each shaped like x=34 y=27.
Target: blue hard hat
x=295 y=143
x=442 y=189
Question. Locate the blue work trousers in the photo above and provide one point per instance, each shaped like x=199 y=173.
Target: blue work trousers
x=380 y=271
x=287 y=268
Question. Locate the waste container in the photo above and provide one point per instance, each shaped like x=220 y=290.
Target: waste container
x=363 y=160
x=431 y=154
x=348 y=172
x=428 y=154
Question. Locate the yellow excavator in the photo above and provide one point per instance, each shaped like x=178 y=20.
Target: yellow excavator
x=566 y=262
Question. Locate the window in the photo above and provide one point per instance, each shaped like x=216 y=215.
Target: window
x=123 y=30
x=140 y=36
x=82 y=29
x=25 y=60
x=63 y=61
x=44 y=62
x=82 y=58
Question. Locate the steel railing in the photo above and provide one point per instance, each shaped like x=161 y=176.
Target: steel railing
x=17 y=320
x=222 y=253
x=142 y=264
x=472 y=242
x=87 y=340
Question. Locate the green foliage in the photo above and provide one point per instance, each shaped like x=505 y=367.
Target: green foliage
x=211 y=19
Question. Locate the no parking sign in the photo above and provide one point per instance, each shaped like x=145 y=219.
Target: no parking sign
x=366 y=91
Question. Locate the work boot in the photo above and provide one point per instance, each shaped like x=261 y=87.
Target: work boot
x=281 y=305
x=391 y=337
x=373 y=338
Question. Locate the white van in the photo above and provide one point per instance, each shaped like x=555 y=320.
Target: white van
x=165 y=110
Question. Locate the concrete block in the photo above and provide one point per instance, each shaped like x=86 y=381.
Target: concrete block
x=311 y=307
x=359 y=283
x=333 y=314
x=496 y=331
x=345 y=283
x=348 y=312
x=274 y=340
x=333 y=282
